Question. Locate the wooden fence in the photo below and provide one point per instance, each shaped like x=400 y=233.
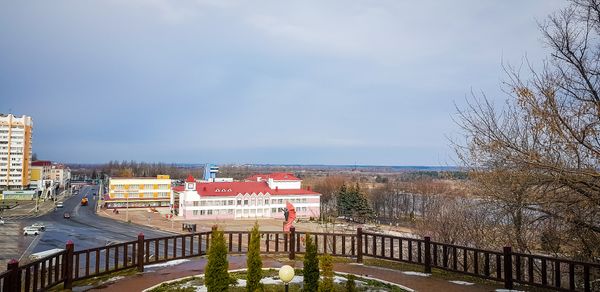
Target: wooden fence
x=504 y=266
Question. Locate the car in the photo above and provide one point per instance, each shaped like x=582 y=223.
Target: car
x=59 y=205
x=39 y=226
x=2 y=221
x=67 y=215
x=30 y=231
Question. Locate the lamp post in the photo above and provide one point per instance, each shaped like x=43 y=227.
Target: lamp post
x=286 y=274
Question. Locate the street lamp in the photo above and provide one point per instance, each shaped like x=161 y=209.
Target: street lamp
x=286 y=274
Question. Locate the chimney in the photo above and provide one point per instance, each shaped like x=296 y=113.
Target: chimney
x=204 y=189
x=308 y=188
x=276 y=189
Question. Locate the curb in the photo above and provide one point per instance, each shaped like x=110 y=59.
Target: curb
x=266 y=269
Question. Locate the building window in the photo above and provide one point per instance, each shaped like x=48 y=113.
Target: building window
x=239 y=202
x=195 y=212
x=195 y=203
x=246 y=202
x=209 y=212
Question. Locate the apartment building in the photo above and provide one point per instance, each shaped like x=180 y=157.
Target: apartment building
x=15 y=151
x=60 y=174
x=139 y=192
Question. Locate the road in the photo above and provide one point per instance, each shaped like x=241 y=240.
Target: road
x=85 y=229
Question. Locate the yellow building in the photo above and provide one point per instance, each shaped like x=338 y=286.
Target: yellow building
x=15 y=151
x=139 y=192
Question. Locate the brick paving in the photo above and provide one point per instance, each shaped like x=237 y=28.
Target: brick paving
x=196 y=266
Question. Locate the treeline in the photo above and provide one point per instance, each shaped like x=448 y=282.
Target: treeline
x=135 y=169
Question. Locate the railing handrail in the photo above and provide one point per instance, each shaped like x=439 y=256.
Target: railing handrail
x=503 y=265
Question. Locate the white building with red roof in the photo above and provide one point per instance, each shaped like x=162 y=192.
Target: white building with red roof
x=259 y=196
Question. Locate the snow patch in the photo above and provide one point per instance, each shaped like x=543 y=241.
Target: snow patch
x=416 y=274
x=462 y=283
x=167 y=264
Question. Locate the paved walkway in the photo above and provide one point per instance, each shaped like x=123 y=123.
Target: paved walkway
x=195 y=266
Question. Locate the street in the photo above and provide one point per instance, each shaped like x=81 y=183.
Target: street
x=85 y=229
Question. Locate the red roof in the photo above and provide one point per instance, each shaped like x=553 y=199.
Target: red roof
x=276 y=176
x=190 y=178
x=227 y=189
x=41 y=163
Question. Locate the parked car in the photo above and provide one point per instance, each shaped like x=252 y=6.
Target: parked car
x=1 y=221
x=67 y=215
x=30 y=231
x=39 y=226
x=59 y=205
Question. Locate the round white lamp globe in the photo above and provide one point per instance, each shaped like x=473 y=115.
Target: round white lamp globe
x=286 y=273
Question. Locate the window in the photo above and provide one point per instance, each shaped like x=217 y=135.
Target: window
x=195 y=203
x=209 y=212
x=239 y=202
x=202 y=212
x=195 y=212
x=246 y=202
x=230 y=202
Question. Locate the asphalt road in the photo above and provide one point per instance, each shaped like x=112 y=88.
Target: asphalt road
x=85 y=228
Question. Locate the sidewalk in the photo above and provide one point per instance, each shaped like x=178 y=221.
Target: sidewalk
x=154 y=276
x=26 y=209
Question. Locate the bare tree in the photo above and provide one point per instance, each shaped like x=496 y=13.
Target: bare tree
x=539 y=152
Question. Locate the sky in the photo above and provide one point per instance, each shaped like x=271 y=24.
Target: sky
x=273 y=82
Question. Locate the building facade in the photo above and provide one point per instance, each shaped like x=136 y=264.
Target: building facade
x=15 y=151
x=60 y=174
x=253 y=198
x=40 y=174
x=140 y=192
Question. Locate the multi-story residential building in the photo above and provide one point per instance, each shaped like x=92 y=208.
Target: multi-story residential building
x=139 y=192
x=60 y=174
x=15 y=151
x=260 y=196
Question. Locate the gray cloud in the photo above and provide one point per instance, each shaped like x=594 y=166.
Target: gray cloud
x=272 y=82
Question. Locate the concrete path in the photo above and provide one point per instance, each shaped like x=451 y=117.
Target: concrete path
x=195 y=266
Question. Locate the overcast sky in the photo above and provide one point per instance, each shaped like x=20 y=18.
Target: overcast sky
x=309 y=82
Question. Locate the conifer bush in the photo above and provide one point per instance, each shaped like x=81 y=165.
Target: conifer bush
x=351 y=284
x=327 y=269
x=216 y=276
x=253 y=262
x=311 y=266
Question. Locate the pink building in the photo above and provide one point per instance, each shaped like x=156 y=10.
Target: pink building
x=260 y=196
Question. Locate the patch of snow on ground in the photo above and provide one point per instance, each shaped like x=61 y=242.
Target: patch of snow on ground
x=167 y=264
x=201 y=289
x=462 y=283
x=338 y=279
x=117 y=278
x=416 y=274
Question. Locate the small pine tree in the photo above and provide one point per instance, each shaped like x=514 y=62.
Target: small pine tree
x=311 y=266
x=216 y=275
x=351 y=284
x=253 y=261
x=327 y=269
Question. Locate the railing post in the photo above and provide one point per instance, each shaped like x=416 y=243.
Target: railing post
x=292 y=248
x=427 y=254
x=508 y=278
x=70 y=247
x=359 y=247
x=140 y=252
x=13 y=281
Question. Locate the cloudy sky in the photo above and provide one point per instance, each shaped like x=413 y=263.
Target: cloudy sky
x=310 y=82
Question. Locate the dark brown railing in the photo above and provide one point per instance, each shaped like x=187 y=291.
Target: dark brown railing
x=505 y=266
